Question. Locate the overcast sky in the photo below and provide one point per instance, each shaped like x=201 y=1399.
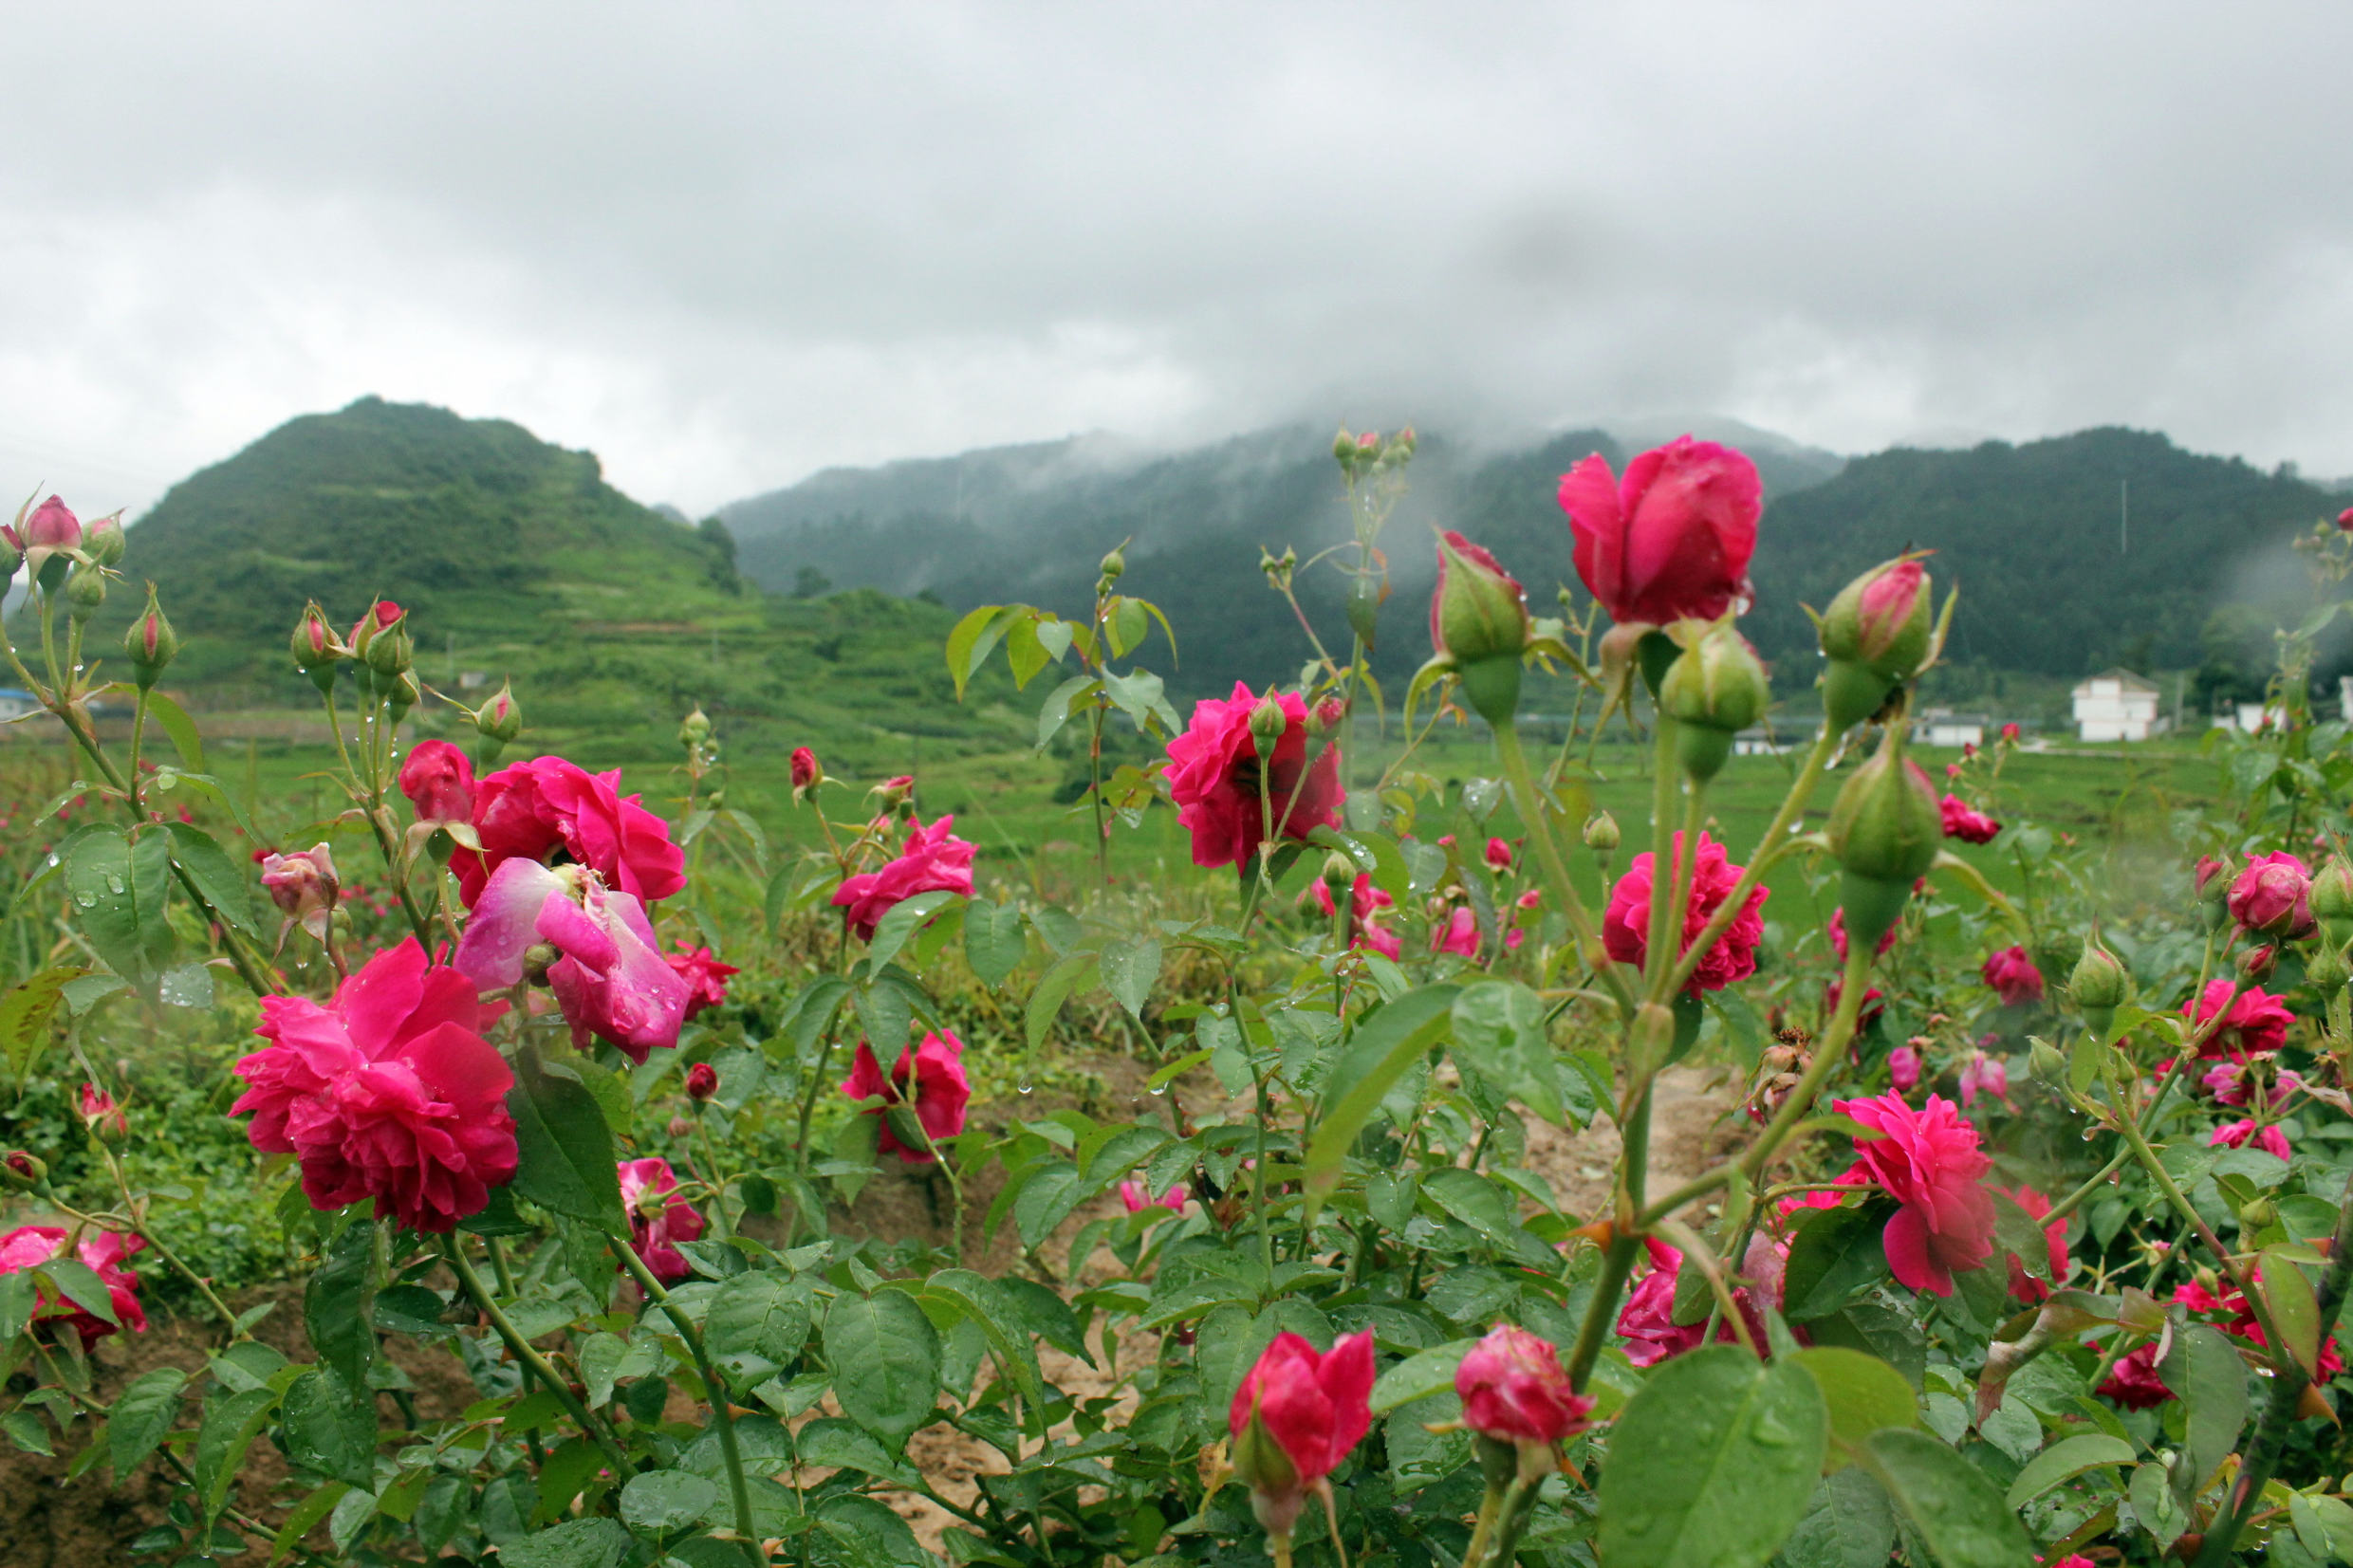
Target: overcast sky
x=724 y=245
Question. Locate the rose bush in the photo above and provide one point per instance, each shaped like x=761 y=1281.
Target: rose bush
x=1992 y=1267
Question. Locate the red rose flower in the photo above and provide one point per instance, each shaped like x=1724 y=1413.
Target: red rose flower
x=1295 y=1417
x=31 y=1245
x=1214 y=771
x=1963 y=823
x=535 y=809
x=2133 y=1381
x=438 y=782
x=2024 y=1286
x=2013 y=977
x=2256 y=1025
x=934 y=860
x=658 y=1218
x=1625 y=925
x=1514 y=1389
x=702 y=1081
x=389 y=1092
x=1673 y=539
x=706 y=977
x=941 y=1092
x=1928 y=1161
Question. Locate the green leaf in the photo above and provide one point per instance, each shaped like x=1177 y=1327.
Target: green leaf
x=971 y=641
x=1046 y=1315
x=1713 y=1461
x=1949 y=1500
x=563 y=1150
x=1056 y=711
x=1046 y=1199
x=1129 y=971
x=1420 y=1374
x=305 y=1518
x=753 y=1315
x=1836 y=1253
x=1863 y=1393
x=18 y=1298
x=1499 y=1029
x=662 y=1501
x=82 y=1285
x=2064 y=1459
x=900 y=923
x=1849 y=1525
x=994 y=941
x=869 y=1535
x=335 y=1304
x=331 y=1429
x=2210 y=1378
x=219 y=880
x=27 y=1013
x=26 y=1431
x=885 y=1358
x=1055 y=988
x=1384 y=1045
x=976 y=1297
x=574 y=1543
x=231 y=1424
x=1476 y=1201
x=176 y=724
x=2294 y=1308
x=117 y=890
x=141 y=1417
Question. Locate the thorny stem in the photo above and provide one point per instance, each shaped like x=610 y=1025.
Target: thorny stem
x=1539 y=825
x=740 y=1494
x=521 y=1349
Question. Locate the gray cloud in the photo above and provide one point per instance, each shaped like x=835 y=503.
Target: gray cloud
x=723 y=245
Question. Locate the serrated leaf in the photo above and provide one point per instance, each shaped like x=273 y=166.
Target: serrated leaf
x=563 y=1150
x=2064 y=1459
x=1129 y=971
x=218 y=879
x=897 y=925
x=26 y=1014
x=1834 y=1253
x=330 y=1428
x=141 y=1417
x=995 y=941
x=1499 y=1030
x=1383 y=1046
x=885 y=1358
x=335 y=1304
x=231 y=1424
x=1948 y=1500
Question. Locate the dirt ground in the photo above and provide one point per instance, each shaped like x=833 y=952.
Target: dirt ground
x=55 y=1524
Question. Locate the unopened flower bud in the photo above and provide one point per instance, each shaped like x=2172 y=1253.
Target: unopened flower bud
x=49 y=532
x=1479 y=623
x=501 y=718
x=2326 y=969
x=678 y=1127
x=102 y=540
x=538 y=959
x=150 y=643
x=1602 y=835
x=103 y=1117
x=1885 y=831
x=1343 y=448
x=2257 y=1213
x=86 y=590
x=2332 y=899
x=2098 y=986
x=702 y=1082
x=22 y=1171
x=390 y=651
x=2046 y=1065
x=1877 y=633
x=1266 y=723
x=2259 y=963
x=11 y=553
x=2211 y=880
x=807 y=774
x=1114 y=567
x=1716 y=688
x=404 y=692
x=695 y=729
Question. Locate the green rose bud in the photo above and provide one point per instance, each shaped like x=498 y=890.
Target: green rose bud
x=86 y=590
x=1479 y=623
x=2326 y=969
x=1885 y=828
x=1601 y=834
x=1266 y=724
x=1878 y=632
x=1717 y=687
x=2098 y=986
x=149 y=643
x=2332 y=899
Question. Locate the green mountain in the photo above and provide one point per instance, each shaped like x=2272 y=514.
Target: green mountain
x=514 y=558
x=2051 y=584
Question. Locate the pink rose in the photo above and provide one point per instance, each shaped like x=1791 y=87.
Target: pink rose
x=1647 y=1320
x=1985 y=1075
x=2133 y=1381
x=1963 y=823
x=1295 y=1417
x=1458 y=934
x=102 y=1252
x=532 y=809
x=1625 y=925
x=2256 y=1026
x=1364 y=903
x=2024 y=1286
x=658 y=1218
x=1673 y=539
x=438 y=782
x=609 y=977
x=1514 y=1389
x=2273 y=896
x=1215 y=771
x=2236 y=1135
x=706 y=977
x=1838 y=936
x=2013 y=977
x=1135 y=1197
x=1903 y=1069
x=389 y=1092
x=941 y=1092
x=1928 y=1161
x=1498 y=854
x=934 y=860
x=304 y=887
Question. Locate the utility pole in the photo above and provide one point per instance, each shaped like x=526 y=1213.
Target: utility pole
x=2124 y=516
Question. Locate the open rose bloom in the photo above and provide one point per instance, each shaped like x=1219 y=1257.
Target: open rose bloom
x=1229 y=799
x=104 y=1253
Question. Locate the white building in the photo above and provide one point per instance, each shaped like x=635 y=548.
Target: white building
x=2344 y=696
x=1943 y=727
x=2252 y=717
x=2117 y=705
x=1757 y=740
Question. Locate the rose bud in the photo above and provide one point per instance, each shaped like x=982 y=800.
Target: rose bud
x=102 y=540
x=1878 y=632
x=149 y=643
x=1295 y=1417
x=103 y=1117
x=1885 y=831
x=2273 y=896
x=438 y=782
x=2098 y=986
x=702 y=1082
x=1113 y=568
x=304 y=887
x=86 y=590
x=387 y=649
x=804 y=770
x=1479 y=625
x=2326 y=969
x=499 y=720
x=679 y=1127
x=2211 y=880
x=695 y=729
x=404 y=692
x=11 y=552
x=1903 y=1067
x=317 y=648
x=1516 y=1391
x=1716 y=689
x=1266 y=723
x=2332 y=898
x=22 y=1171
x=1601 y=834
x=51 y=530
